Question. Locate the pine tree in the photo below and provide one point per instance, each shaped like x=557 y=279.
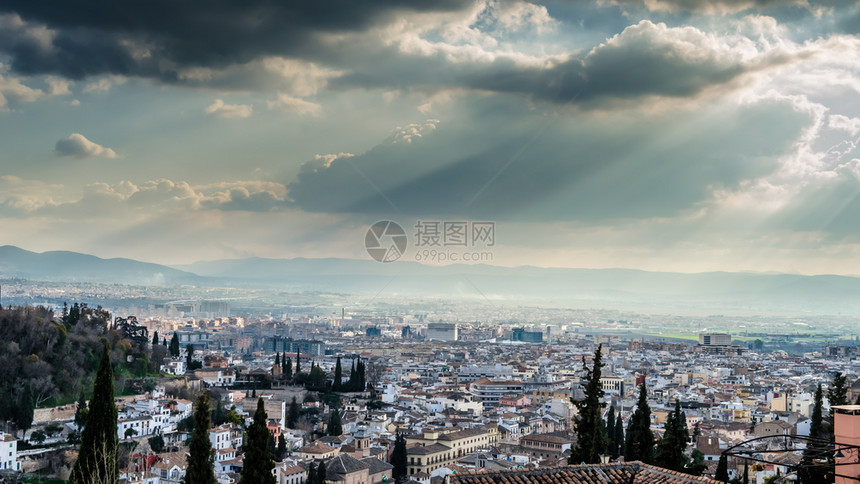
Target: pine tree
x=837 y=394
x=619 y=437
x=338 y=376
x=155 y=338
x=639 y=444
x=591 y=437
x=258 y=463
x=97 y=461
x=399 y=460
x=201 y=464
x=610 y=431
x=293 y=414
x=670 y=450
x=722 y=473
x=174 y=345
x=335 y=427
x=81 y=412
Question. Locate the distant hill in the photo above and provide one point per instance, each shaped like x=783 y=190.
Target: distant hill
x=77 y=267
x=583 y=287
x=827 y=293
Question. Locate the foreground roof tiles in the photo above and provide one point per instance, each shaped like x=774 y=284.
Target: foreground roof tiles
x=626 y=473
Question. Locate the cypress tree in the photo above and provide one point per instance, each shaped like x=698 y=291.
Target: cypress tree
x=258 y=464
x=282 y=447
x=164 y=342
x=312 y=474
x=670 y=449
x=277 y=360
x=189 y=355
x=610 y=430
x=97 y=461
x=288 y=368
x=81 y=412
x=154 y=338
x=174 y=345
x=399 y=460
x=352 y=383
x=293 y=414
x=619 y=437
x=811 y=470
x=338 y=376
x=335 y=427
x=640 y=439
x=362 y=381
x=591 y=437
x=722 y=473
x=201 y=463
x=321 y=473
x=746 y=479
x=298 y=362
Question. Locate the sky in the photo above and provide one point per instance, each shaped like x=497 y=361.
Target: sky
x=667 y=135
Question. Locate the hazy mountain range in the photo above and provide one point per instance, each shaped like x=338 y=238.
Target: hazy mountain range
x=827 y=293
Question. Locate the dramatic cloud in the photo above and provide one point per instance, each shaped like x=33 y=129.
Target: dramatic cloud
x=556 y=168
x=80 y=147
x=709 y=7
x=229 y=111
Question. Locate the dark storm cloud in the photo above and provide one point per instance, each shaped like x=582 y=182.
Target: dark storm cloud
x=548 y=167
x=156 y=37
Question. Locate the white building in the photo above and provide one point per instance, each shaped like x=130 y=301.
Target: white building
x=9 y=452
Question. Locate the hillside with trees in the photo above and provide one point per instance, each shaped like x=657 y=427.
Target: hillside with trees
x=50 y=359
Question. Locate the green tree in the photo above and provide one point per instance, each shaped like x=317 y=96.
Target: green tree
x=38 y=437
x=639 y=444
x=97 y=461
x=399 y=460
x=258 y=464
x=321 y=473
x=174 y=345
x=189 y=356
x=619 y=437
x=277 y=362
x=837 y=394
x=293 y=414
x=591 y=437
x=722 y=474
x=670 y=450
x=610 y=431
x=288 y=369
x=298 y=362
x=335 y=427
x=746 y=479
x=24 y=409
x=201 y=464
x=312 y=474
x=697 y=463
x=155 y=338
x=282 y=447
x=156 y=443
x=338 y=376
x=814 y=463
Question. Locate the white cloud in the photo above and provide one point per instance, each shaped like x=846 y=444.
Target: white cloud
x=58 y=86
x=79 y=146
x=229 y=111
x=844 y=123
x=288 y=103
x=104 y=84
x=12 y=88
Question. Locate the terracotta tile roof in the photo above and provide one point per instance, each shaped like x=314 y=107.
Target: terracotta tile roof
x=626 y=473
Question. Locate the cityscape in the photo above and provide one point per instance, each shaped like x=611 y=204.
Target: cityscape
x=430 y=242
